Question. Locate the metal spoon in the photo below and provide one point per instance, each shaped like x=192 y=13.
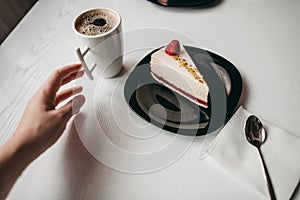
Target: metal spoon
x=256 y=135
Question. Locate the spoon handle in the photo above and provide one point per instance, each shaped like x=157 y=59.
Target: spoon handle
x=267 y=177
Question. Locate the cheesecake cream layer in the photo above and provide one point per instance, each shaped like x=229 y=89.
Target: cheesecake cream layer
x=180 y=74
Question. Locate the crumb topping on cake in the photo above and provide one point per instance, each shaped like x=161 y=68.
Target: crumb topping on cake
x=190 y=68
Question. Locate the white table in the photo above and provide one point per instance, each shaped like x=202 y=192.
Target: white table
x=260 y=37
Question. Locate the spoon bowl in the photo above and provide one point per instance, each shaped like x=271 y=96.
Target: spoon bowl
x=255 y=131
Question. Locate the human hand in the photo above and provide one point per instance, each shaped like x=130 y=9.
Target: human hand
x=42 y=122
x=41 y=125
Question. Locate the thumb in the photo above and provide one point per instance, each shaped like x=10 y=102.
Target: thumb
x=72 y=107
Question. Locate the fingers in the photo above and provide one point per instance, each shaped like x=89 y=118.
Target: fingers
x=71 y=108
x=58 y=76
x=65 y=94
x=73 y=76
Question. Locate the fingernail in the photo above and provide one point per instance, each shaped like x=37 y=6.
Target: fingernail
x=78 y=102
x=78 y=88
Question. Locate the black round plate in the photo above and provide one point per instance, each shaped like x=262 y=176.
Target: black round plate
x=186 y=3
x=166 y=109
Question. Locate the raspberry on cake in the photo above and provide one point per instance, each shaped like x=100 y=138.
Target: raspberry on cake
x=173 y=67
x=173 y=48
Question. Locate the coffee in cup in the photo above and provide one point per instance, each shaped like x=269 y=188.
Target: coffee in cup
x=96 y=22
x=100 y=31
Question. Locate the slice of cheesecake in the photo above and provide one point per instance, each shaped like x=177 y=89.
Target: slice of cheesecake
x=173 y=67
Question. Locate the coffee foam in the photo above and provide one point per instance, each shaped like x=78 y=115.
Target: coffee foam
x=84 y=25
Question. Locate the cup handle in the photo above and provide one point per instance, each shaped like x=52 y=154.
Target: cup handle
x=81 y=58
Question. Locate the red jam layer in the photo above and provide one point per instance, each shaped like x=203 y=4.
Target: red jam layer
x=189 y=96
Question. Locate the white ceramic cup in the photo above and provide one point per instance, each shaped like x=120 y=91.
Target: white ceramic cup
x=104 y=49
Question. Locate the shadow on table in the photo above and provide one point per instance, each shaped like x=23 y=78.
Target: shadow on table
x=85 y=176
x=296 y=193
